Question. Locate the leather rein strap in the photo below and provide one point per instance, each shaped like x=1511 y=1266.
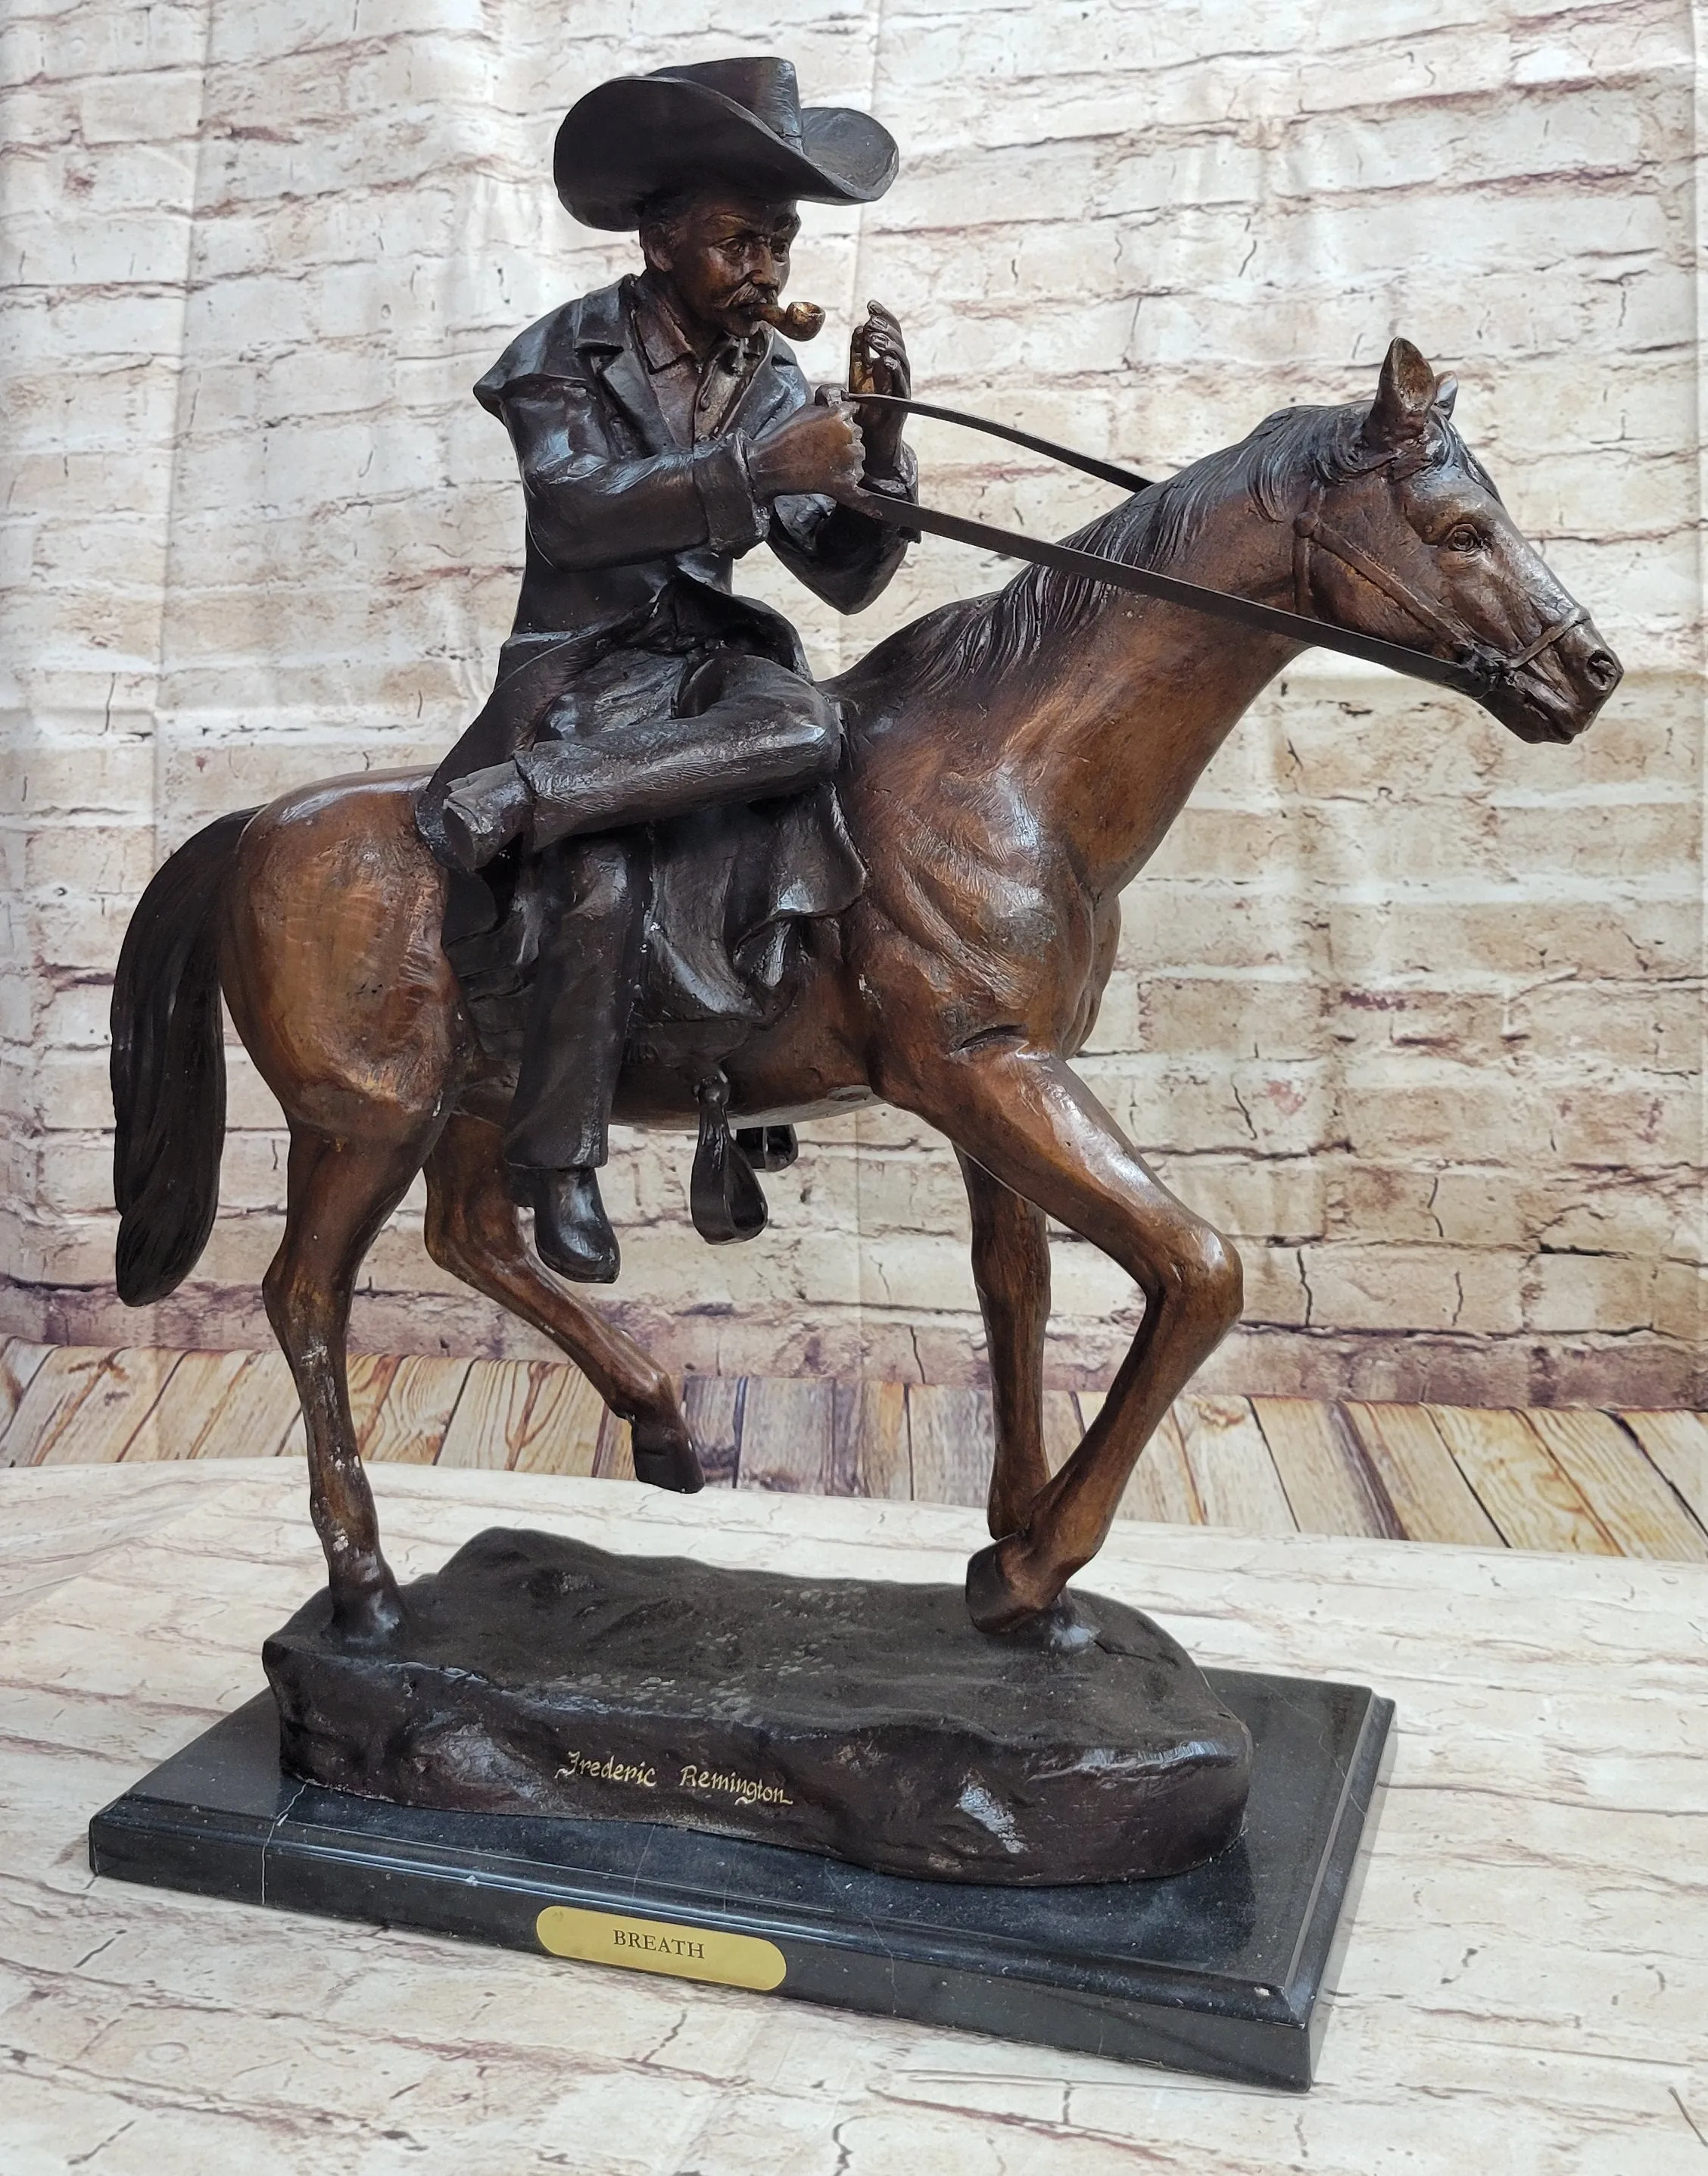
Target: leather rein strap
x=1476 y=674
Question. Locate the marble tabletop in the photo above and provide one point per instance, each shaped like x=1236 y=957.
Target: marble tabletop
x=1525 y=1993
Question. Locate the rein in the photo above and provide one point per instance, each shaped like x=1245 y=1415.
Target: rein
x=1477 y=674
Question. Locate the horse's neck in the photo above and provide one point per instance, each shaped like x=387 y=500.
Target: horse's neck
x=1129 y=709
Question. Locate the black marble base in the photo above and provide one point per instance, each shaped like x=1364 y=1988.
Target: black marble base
x=1223 y=1971
x=863 y=1718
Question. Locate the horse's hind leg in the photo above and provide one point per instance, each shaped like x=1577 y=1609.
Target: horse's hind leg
x=339 y=1194
x=473 y=1230
x=1011 y=1269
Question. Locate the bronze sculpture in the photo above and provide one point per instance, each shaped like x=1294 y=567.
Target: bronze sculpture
x=664 y=872
x=1012 y=763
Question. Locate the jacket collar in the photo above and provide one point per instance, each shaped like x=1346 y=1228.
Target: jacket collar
x=603 y=319
x=605 y=333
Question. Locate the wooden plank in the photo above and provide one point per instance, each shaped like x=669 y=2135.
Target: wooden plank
x=368 y=1377
x=568 y=1417
x=260 y=1417
x=1678 y=1445
x=1631 y=1499
x=713 y=1407
x=614 y=1460
x=495 y=1393
x=1534 y=1504
x=870 y=1455
x=19 y=1359
x=194 y=1394
x=952 y=1441
x=1160 y=1487
x=1232 y=1470
x=52 y=1394
x=406 y=1425
x=1063 y=1427
x=1431 y=1498
x=118 y=1400
x=1321 y=1469
x=529 y=1413
x=787 y=1429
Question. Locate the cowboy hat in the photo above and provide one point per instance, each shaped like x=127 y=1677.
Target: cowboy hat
x=739 y=121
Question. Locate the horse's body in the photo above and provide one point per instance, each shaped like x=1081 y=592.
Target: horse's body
x=1013 y=762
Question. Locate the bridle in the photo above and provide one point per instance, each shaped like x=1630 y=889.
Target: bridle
x=1310 y=529
x=1472 y=668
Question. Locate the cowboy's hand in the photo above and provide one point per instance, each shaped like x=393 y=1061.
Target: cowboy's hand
x=877 y=363
x=819 y=449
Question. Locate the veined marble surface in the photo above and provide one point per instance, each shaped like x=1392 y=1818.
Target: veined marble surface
x=1525 y=1993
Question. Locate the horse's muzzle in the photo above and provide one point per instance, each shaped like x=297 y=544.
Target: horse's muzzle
x=1557 y=696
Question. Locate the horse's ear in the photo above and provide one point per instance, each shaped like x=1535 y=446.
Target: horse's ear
x=1403 y=399
x=1446 y=393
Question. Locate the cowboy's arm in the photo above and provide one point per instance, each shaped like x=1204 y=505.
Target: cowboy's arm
x=587 y=510
x=844 y=555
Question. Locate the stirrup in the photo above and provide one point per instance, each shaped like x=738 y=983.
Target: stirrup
x=724 y=1198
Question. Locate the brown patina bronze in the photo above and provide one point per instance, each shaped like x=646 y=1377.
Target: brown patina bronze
x=1011 y=763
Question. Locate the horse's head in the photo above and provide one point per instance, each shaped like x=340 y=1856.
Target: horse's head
x=1407 y=537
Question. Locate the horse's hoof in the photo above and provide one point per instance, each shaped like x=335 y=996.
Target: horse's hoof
x=664 y=1459
x=996 y=1602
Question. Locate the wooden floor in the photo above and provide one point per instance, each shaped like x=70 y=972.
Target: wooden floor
x=1602 y=1483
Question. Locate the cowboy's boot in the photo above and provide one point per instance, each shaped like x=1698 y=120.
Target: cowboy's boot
x=572 y=1233
x=484 y=812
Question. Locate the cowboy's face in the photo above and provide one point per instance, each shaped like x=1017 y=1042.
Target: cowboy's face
x=724 y=256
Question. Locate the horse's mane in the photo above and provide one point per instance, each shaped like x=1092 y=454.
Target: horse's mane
x=998 y=634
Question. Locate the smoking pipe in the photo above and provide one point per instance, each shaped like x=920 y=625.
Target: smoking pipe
x=799 y=321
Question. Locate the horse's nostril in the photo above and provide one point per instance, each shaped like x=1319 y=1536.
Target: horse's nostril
x=1602 y=669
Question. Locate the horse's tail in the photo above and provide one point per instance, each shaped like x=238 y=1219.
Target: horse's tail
x=169 y=1068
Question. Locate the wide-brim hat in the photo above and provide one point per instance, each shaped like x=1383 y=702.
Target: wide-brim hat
x=737 y=122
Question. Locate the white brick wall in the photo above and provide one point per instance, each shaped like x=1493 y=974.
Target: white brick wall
x=1413 y=1010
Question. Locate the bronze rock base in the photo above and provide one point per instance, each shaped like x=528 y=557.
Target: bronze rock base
x=866 y=1720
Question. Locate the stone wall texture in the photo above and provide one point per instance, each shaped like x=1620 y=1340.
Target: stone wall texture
x=1413 y=1010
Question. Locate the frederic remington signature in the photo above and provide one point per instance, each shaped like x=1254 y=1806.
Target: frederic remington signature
x=643 y=1775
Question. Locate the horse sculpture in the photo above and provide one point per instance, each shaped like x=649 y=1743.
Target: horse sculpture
x=1013 y=762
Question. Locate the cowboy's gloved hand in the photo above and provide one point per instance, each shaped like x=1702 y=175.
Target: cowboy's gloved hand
x=877 y=363
x=818 y=448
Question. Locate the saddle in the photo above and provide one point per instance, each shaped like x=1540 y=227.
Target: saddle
x=732 y=891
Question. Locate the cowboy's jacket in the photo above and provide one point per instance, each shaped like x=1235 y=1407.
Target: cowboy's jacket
x=620 y=512
x=616 y=505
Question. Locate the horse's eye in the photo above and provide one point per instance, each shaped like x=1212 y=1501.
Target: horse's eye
x=1463 y=537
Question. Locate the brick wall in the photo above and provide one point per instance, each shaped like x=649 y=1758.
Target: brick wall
x=1412 y=1009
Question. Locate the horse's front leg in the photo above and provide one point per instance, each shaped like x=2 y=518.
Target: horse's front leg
x=1011 y=1269
x=1024 y=1118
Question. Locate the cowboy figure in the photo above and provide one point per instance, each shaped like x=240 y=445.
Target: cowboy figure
x=661 y=432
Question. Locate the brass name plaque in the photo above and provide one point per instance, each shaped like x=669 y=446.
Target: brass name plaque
x=657 y=1945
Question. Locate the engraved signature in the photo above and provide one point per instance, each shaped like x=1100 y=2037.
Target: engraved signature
x=747 y=1788
x=610 y=1769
